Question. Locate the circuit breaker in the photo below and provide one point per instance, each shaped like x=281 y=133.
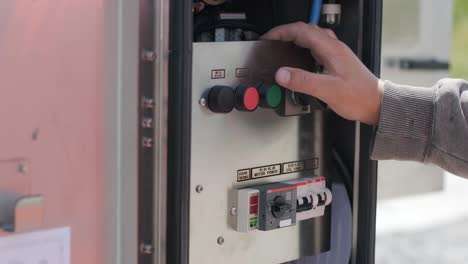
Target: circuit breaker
x=278 y=205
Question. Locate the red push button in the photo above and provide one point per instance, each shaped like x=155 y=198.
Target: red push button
x=247 y=98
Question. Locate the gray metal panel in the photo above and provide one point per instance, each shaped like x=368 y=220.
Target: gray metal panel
x=120 y=128
x=261 y=138
x=161 y=92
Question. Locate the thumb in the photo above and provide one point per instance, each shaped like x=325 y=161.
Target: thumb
x=318 y=85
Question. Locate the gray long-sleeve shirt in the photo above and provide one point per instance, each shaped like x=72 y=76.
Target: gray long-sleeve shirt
x=428 y=125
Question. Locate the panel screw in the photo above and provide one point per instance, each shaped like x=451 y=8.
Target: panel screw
x=147 y=142
x=220 y=240
x=233 y=211
x=203 y=102
x=147 y=102
x=21 y=168
x=148 y=55
x=199 y=188
x=147 y=123
x=146 y=249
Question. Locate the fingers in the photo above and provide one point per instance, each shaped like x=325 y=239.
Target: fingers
x=318 y=85
x=329 y=32
x=320 y=41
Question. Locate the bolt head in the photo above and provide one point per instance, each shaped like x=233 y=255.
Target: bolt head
x=220 y=240
x=21 y=168
x=148 y=55
x=203 y=102
x=146 y=249
x=199 y=188
x=233 y=211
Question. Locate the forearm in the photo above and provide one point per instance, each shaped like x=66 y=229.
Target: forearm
x=425 y=124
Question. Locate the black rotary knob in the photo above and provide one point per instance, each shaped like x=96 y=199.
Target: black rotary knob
x=221 y=99
x=280 y=207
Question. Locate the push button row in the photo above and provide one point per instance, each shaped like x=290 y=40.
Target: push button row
x=223 y=99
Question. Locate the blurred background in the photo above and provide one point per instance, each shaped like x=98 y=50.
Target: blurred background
x=422 y=214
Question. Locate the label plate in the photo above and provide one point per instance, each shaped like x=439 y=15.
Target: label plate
x=266 y=171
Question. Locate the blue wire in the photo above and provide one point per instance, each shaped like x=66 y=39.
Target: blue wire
x=315 y=11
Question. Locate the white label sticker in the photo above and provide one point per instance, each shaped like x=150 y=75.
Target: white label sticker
x=218 y=74
x=293 y=167
x=43 y=247
x=284 y=223
x=266 y=171
x=243 y=175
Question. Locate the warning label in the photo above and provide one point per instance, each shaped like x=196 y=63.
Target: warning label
x=243 y=175
x=291 y=167
x=266 y=171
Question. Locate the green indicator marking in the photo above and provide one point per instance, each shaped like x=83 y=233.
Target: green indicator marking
x=274 y=96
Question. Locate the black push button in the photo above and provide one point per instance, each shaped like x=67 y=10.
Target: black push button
x=221 y=99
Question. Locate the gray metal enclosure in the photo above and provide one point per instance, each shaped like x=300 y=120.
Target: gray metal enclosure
x=207 y=150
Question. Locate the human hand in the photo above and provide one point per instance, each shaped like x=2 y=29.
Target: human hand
x=346 y=85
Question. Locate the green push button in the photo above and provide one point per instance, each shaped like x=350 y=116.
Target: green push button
x=274 y=96
x=270 y=95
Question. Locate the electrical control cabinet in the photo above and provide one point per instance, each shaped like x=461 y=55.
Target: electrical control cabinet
x=252 y=164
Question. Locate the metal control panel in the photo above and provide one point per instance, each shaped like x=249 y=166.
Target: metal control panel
x=255 y=155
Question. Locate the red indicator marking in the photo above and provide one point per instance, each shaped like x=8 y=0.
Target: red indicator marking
x=251 y=98
x=253 y=199
x=282 y=189
x=304 y=183
x=254 y=209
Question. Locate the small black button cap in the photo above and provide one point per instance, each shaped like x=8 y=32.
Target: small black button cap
x=221 y=99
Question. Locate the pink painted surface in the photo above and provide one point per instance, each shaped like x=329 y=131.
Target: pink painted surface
x=50 y=82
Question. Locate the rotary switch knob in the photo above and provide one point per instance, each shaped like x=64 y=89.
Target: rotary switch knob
x=221 y=99
x=280 y=207
x=247 y=98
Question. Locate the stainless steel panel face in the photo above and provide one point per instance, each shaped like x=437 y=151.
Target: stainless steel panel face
x=222 y=144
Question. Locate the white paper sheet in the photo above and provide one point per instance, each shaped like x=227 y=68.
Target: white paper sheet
x=42 y=247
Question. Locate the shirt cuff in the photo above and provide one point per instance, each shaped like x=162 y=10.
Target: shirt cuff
x=406 y=123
